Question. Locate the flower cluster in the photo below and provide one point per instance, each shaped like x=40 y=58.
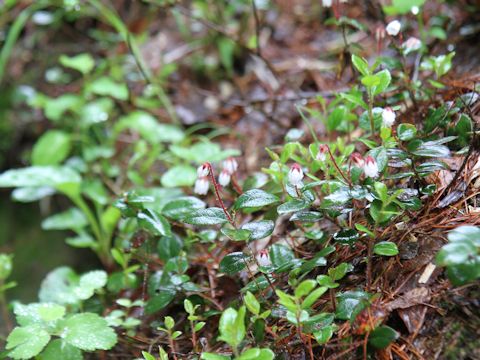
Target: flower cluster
x=369 y=164
x=230 y=166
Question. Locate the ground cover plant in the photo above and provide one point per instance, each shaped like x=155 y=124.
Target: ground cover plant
x=244 y=180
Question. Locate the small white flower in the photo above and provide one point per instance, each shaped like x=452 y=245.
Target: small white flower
x=412 y=44
x=393 y=28
x=371 y=167
x=388 y=117
x=357 y=160
x=295 y=175
x=224 y=178
x=201 y=186
x=327 y=3
x=203 y=170
x=230 y=165
x=322 y=152
x=415 y=10
x=263 y=258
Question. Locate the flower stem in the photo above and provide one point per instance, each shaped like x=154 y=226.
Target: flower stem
x=338 y=168
x=217 y=194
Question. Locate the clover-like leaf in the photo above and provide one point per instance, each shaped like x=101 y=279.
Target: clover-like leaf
x=88 y=331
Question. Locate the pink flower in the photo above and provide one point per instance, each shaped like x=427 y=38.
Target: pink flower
x=201 y=186
x=230 y=165
x=322 y=152
x=357 y=159
x=203 y=170
x=224 y=178
x=388 y=117
x=371 y=167
x=295 y=175
x=263 y=258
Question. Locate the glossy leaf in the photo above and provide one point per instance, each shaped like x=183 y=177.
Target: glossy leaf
x=255 y=198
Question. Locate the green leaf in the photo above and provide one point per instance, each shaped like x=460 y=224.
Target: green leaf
x=293 y=206
x=402 y=6
x=360 y=64
x=431 y=149
x=159 y=301
x=323 y=335
x=252 y=303
x=406 y=132
x=237 y=234
x=385 y=248
x=179 y=175
x=211 y=356
x=338 y=272
x=58 y=349
x=169 y=247
x=257 y=354
x=154 y=222
x=89 y=282
x=38 y=313
x=71 y=219
x=210 y=216
x=350 y=304
x=346 y=236
x=305 y=287
x=149 y=128
x=456 y=253
x=336 y=117
x=255 y=198
x=382 y=336
x=280 y=255
x=233 y=263
x=52 y=148
x=313 y=296
x=105 y=86
x=465 y=233
x=259 y=229
x=177 y=209
x=306 y=216
x=27 y=341
x=232 y=326
x=203 y=151
x=88 y=331
x=384 y=77
x=83 y=63
x=31 y=194
x=57 y=287
x=60 y=178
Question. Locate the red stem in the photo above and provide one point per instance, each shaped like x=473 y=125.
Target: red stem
x=217 y=194
x=338 y=169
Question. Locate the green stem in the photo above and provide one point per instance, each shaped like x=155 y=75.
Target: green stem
x=103 y=241
x=370 y=112
x=5 y=312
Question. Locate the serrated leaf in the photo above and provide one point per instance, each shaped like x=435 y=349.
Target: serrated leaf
x=27 y=341
x=58 y=349
x=255 y=198
x=89 y=332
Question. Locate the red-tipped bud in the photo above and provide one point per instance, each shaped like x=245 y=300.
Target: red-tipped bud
x=322 y=152
x=371 y=167
x=203 y=170
x=357 y=159
x=295 y=175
